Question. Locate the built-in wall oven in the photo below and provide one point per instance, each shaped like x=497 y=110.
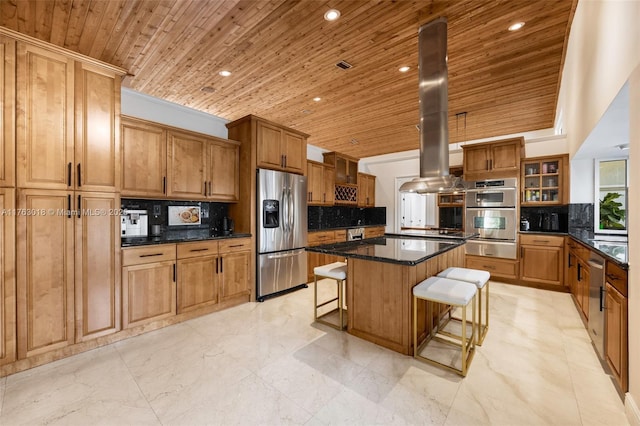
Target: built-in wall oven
x=491 y=207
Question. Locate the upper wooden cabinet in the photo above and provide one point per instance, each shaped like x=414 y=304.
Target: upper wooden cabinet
x=7 y=111
x=320 y=184
x=544 y=181
x=144 y=158
x=366 y=190
x=279 y=148
x=346 y=167
x=66 y=122
x=160 y=161
x=7 y=278
x=493 y=159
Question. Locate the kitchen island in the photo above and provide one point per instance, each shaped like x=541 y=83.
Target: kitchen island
x=381 y=274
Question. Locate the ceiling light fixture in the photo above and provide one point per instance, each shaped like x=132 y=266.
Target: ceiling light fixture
x=404 y=69
x=225 y=73
x=623 y=147
x=331 y=15
x=207 y=89
x=516 y=26
x=317 y=99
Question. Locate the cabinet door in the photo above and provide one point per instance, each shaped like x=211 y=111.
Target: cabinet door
x=269 y=150
x=583 y=289
x=144 y=159
x=97 y=265
x=476 y=160
x=148 y=293
x=97 y=140
x=7 y=111
x=294 y=148
x=616 y=343
x=224 y=171
x=315 y=183
x=370 y=194
x=234 y=270
x=541 y=264
x=45 y=271
x=186 y=168
x=505 y=157
x=7 y=278
x=197 y=282
x=44 y=119
x=329 y=191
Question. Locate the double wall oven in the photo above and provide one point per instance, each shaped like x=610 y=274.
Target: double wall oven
x=491 y=207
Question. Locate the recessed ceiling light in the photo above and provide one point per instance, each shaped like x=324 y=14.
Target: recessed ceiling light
x=306 y=111
x=331 y=14
x=225 y=73
x=516 y=26
x=354 y=141
x=404 y=69
x=317 y=99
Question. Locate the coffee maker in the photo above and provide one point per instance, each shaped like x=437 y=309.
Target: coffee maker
x=134 y=223
x=227 y=226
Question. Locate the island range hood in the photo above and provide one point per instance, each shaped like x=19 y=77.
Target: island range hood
x=433 y=95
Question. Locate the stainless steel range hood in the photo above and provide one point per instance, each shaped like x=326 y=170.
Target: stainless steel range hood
x=434 y=132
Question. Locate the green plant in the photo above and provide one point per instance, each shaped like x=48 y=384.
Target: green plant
x=610 y=212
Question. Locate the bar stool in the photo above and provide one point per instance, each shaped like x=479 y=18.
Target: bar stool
x=449 y=292
x=336 y=271
x=481 y=279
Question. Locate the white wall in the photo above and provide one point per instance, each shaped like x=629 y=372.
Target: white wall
x=136 y=104
x=603 y=51
x=581 y=181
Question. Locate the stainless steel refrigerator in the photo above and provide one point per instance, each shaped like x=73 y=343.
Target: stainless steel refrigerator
x=281 y=232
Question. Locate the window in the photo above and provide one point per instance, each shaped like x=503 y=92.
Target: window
x=611 y=177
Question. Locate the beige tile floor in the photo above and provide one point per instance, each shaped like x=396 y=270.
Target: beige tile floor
x=267 y=363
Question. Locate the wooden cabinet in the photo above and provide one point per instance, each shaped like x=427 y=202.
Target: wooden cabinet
x=159 y=161
x=235 y=257
x=7 y=278
x=320 y=184
x=45 y=271
x=148 y=284
x=97 y=265
x=144 y=158
x=545 y=181
x=616 y=345
x=498 y=267
x=186 y=166
x=579 y=272
x=318 y=238
x=366 y=190
x=346 y=177
x=279 y=148
x=449 y=199
x=67 y=114
x=197 y=275
x=542 y=259
x=223 y=170
x=7 y=111
x=374 y=231
x=492 y=159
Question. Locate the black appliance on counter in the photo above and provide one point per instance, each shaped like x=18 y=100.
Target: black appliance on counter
x=450 y=217
x=544 y=219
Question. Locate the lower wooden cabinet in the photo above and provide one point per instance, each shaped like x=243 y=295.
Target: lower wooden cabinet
x=148 y=284
x=374 y=231
x=234 y=275
x=7 y=279
x=616 y=344
x=542 y=259
x=197 y=283
x=497 y=267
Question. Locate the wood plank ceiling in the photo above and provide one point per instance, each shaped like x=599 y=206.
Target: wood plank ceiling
x=282 y=54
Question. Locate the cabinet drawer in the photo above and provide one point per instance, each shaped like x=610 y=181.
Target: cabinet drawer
x=321 y=237
x=197 y=249
x=148 y=254
x=341 y=236
x=617 y=277
x=542 y=240
x=235 y=244
x=496 y=267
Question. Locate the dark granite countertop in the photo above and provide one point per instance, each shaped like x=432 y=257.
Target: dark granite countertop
x=613 y=248
x=391 y=249
x=335 y=228
x=435 y=233
x=177 y=237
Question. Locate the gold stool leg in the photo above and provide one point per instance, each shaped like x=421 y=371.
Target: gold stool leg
x=340 y=311
x=415 y=326
x=315 y=297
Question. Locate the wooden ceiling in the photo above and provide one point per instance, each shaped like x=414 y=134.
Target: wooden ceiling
x=282 y=54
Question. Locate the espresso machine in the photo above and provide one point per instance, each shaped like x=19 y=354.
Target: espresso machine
x=134 y=223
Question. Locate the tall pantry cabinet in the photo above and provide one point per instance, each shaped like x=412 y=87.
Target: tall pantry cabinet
x=67 y=171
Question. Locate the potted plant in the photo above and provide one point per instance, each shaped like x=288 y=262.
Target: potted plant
x=610 y=212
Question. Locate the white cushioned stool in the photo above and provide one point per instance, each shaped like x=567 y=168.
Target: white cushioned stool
x=448 y=292
x=336 y=271
x=481 y=279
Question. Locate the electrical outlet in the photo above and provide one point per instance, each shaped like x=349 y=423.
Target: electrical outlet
x=156 y=209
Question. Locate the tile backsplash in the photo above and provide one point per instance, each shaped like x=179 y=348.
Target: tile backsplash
x=581 y=219
x=321 y=217
x=212 y=213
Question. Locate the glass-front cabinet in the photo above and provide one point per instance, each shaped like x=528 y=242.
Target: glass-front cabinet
x=544 y=180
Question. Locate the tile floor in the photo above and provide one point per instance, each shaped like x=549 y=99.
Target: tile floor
x=267 y=363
